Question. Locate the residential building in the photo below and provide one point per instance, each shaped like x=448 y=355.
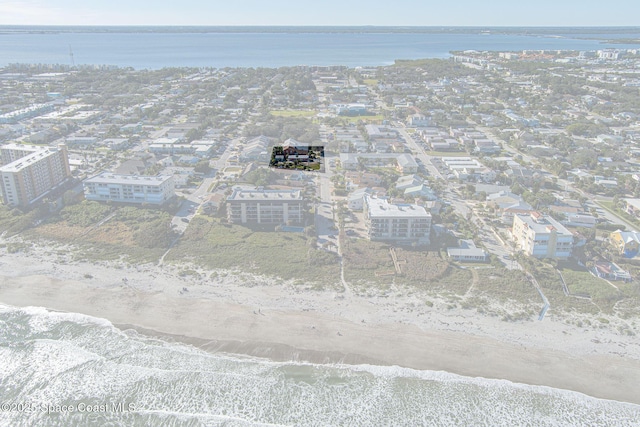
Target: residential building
x=153 y=190
x=401 y=223
x=579 y=220
x=405 y=163
x=29 y=173
x=467 y=252
x=627 y=242
x=610 y=271
x=355 y=201
x=247 y=206
x=541 y=236
x=633 y=207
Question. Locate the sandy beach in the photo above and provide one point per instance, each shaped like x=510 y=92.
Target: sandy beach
x=240 y=313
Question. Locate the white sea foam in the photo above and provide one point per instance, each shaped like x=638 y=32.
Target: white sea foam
x=175 y=384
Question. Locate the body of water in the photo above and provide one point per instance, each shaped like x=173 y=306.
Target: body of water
x=51 y=361
x=159 y=49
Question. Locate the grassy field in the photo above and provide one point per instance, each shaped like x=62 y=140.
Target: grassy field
x=293 y=113
x=370 y=82
x=104 y=233
x=212 y=244
x=12 y=220
x=603 y=294
x=367 y=263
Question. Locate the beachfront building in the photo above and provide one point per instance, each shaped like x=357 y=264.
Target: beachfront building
x=467 y=251
x=541 y=236
x=29 y=173
x=276 y=207
x=400 y=223
x=134 y=189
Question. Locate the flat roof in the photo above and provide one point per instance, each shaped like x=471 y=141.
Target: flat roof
x=381 y=208
x=264 y=195
x=29 y=159
x=112 y=178
x=544 y=224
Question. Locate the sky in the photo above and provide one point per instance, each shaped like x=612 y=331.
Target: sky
x=322 y=12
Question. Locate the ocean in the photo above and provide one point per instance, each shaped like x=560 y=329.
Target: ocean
x=155 y=48
x=65 y=369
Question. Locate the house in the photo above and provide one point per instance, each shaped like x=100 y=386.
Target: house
x=633 y=207
x=579 y=220
x=610 y=271
x=408 y=181
x=627 y=242
x=355 y=201
x=467 y=252
x=212 y=203
x=421 y=190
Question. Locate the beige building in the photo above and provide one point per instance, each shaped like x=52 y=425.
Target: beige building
x=265 y=207
x=30 y=172
x=541 y=236
x=403 y=223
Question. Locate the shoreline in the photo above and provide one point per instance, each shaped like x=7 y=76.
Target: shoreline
x=289 y=334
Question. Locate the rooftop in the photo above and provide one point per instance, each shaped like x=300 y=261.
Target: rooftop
x=264 y=195
x=111 y=178
x=381 y=208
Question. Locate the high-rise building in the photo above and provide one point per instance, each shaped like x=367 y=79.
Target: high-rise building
x=29 y=172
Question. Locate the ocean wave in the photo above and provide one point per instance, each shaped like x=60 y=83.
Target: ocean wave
x=62 y=358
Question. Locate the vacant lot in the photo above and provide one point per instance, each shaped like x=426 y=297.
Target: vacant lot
x=212 y=244
x=103 y=232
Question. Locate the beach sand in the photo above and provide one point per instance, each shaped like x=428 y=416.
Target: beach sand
x=260 y=317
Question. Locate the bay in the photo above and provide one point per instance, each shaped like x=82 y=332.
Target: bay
x=156 y=48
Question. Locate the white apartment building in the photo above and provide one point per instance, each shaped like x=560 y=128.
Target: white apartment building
x=30 y=172
x=541 y=236
x=153 y=190
x=245 y=206
x=403 y=223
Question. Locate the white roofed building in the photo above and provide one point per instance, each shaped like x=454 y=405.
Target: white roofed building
x=153 y=190
x=401 y=223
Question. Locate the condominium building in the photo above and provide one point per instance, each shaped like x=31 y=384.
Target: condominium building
x=541 y=236
x=29 y=172
x=402 y=223
x=246 y=206
x=153 y=190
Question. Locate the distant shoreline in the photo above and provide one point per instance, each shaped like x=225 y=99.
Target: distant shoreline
x=527 y=31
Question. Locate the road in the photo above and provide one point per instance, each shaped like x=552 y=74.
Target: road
x=325 y=215
x=194 y=200
x=420 y=154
